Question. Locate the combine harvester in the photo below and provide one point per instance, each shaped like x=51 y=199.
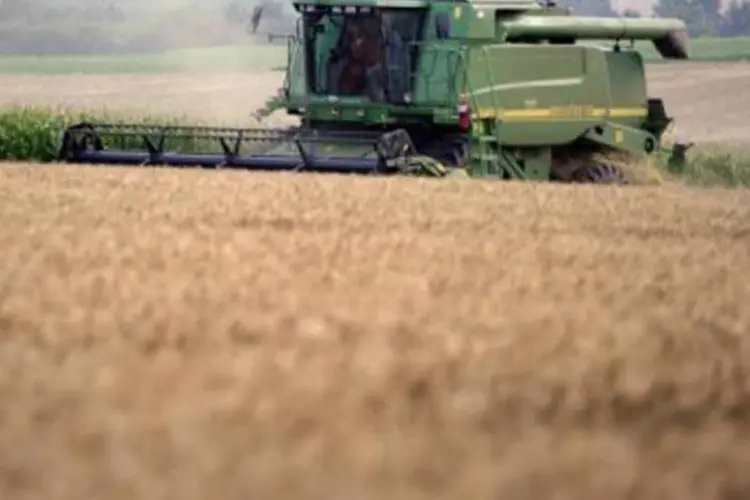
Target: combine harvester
x=494 y=88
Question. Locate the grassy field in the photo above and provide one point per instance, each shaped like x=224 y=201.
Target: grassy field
x=264 y=57
x=232 y=58
x=186 y=335
x=706 y=49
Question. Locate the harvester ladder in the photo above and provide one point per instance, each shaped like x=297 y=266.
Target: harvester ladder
x=489 y=152
x=486 y=149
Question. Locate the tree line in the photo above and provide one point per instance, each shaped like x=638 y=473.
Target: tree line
x=702 y=17
x=113 y=26
x=705 y=18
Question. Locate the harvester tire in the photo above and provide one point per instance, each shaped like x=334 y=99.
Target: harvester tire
x=599 y=174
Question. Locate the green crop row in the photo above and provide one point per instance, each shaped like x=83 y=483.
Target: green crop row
x=202 y=59
x=35 y=134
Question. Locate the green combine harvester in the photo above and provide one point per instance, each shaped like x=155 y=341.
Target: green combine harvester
x=507 y=89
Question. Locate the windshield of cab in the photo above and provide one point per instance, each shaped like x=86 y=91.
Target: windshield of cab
x=362 y=52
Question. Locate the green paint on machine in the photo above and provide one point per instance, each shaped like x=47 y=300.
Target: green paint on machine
x=495 y=88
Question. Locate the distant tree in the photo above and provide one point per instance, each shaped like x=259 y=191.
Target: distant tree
x=700 y=16
x=712 y=17
x=736 y=20
x=42 y=11
x=14 y=10
x=631 y=13
x=113 y=12
x=590 y=7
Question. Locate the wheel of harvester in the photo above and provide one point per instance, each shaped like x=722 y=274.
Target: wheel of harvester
x=452 y=152
x=598 y=173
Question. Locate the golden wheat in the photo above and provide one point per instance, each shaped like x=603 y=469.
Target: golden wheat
x=189 y=335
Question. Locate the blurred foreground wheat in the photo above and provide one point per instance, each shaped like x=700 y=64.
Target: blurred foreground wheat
x=191 y=335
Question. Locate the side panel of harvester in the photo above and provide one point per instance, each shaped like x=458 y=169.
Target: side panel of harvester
x=551 y=95
x=441 y=69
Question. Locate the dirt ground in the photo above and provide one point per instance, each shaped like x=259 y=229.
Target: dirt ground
x=190 y=335
x=711 y=102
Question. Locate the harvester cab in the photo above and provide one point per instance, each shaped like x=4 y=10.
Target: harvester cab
x=361 y=52
x=509 y=89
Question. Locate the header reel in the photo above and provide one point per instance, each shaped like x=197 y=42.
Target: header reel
x=292 y=149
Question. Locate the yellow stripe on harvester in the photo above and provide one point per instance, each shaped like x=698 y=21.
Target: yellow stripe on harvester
x=557 y=113
x=629 y=112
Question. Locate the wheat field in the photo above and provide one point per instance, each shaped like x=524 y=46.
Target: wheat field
x=173 y=334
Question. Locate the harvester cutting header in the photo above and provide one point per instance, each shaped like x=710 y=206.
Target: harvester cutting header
x=510 y=89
